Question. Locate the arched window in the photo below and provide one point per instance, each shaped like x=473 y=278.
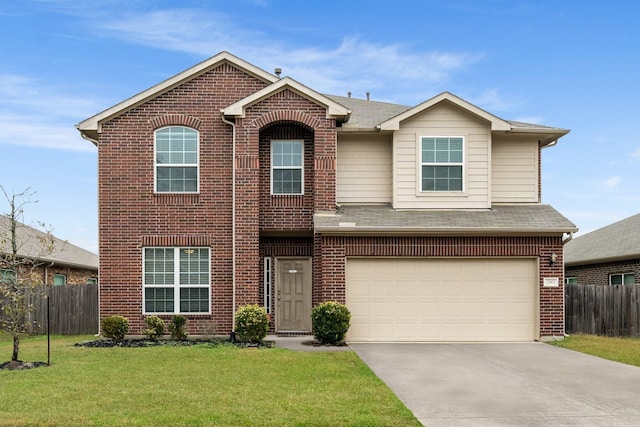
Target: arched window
x=176 y=160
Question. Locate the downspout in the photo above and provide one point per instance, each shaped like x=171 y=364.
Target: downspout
x=233 y=225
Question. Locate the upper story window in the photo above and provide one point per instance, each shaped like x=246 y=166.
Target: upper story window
x=176 y=160
x=442 y=163
x=622 y=279
x=176 y=280
x=287 y=167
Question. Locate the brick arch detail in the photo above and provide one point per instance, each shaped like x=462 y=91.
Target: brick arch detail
x=287 y=116
x=175 y=120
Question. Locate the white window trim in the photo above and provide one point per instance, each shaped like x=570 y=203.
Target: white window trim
x=155 y=164
x=272 y=167
x=421 y=164
x=176 y=281
x=64 y=277
x=628 y=273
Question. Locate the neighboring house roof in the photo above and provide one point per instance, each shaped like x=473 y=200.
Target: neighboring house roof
x=500 y=219
x=30 y=244
x=615 y=242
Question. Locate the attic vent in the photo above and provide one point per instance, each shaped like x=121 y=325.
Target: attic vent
x=278 y=71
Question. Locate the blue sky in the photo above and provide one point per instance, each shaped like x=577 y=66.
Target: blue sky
x=566 y=63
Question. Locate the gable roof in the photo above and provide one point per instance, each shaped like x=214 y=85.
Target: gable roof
x=615 y=242
x=89 y=128
x=499 y=220
x=334 y=109
x=496 y=122
x=30 y=245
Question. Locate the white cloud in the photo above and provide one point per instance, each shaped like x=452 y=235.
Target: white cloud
x=636 y=153
x=354 y=64
x=32 y=114
x=493 y=100
x=612 y=182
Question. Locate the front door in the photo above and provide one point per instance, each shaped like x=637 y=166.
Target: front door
x=293 y=294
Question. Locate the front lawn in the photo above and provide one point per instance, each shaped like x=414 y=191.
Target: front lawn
x=625 y=350
x=195 y=386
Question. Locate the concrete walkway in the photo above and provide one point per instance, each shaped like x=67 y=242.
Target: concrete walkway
x=303 y=343
x=514 y=384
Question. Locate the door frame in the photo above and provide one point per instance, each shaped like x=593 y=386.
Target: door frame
x=276 y=277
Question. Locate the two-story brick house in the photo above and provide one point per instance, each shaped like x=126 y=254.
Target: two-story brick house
x=226 y=185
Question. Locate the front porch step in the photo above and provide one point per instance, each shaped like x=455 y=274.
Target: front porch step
x=293 y=333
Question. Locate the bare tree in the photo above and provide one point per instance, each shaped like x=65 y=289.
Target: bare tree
x=21 y=253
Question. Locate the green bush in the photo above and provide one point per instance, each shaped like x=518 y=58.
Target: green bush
x=115 y=327
x=155 y=328
x=330 y=322
x=177 y=328
x=252 y=323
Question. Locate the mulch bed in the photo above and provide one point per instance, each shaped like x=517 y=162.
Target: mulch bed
x=133 y=343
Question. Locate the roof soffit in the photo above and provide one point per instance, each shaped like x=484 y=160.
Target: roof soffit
x=333 y=108
x=91 y=126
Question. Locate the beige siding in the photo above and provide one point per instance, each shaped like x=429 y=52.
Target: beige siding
x=443 y=119
x=364 y=169
x=514 y=173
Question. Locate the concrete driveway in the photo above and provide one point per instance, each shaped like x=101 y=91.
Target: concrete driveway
x=514 y=384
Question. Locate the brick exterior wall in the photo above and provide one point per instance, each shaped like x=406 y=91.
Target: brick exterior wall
x=598 y=274
x=131 y=216
x=75 y=275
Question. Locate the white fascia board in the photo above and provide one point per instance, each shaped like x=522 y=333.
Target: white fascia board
x=334 y=109
x=497 y=124
x=93 y=123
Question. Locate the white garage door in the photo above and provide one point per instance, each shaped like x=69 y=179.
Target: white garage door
x=442 y=299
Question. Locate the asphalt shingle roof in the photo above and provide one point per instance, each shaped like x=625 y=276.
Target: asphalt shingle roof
x=502 y=219
x=30 y=245
x=617 y=241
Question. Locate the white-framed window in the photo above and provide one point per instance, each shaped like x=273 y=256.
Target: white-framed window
x=442 y=163
x=287 y=167
x=622 y=279
x=571 y=280
x=176 y=160
x=59 y=280
x=176 y=280
x=267 y=284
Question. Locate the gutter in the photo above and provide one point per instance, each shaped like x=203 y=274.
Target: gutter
x=233 y=224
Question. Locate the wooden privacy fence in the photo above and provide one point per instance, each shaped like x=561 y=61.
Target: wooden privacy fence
x=73 y=310
x=611 y=310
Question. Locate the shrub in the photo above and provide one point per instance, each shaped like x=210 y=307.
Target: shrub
x=252 y=323
x=155 y=328
x=115 y=327
x=330 y=322
x=177 y=328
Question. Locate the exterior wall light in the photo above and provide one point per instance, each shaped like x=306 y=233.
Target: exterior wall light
x=552 y=259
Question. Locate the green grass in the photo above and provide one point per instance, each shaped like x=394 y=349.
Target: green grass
x=195 y=386
x=625 y=350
